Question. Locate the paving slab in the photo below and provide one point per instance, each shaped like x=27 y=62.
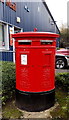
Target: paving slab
x=43 y=114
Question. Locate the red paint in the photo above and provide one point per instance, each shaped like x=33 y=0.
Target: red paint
x=35 y=29
x=11 y=4
x=39 y=73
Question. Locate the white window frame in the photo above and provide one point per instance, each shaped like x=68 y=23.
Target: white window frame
x=3 y=47
x=14 y=44
x=6 y=37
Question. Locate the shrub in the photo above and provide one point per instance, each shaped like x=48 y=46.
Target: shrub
x=8 y=80
x=62 y=79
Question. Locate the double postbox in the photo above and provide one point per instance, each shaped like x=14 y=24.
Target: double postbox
x=35 y=70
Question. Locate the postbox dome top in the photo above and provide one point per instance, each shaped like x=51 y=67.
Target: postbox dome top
x=35 y=34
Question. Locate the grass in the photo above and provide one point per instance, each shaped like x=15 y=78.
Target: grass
x=61 y=111
x=10 y=111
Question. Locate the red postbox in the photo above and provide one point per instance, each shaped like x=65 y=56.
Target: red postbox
x=35 y=70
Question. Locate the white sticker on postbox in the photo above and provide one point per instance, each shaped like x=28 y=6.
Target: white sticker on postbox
x=24 y=59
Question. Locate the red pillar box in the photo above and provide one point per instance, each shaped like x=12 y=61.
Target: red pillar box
x=35 y=70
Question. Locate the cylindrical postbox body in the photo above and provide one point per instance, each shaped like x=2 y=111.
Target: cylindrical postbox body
x=35 y=70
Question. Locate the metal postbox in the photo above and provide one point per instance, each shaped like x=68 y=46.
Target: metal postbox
x=35 y=70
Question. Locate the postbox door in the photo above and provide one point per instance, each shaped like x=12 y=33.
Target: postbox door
x=34 y=73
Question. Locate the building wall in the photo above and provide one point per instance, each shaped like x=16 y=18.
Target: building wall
x=38 y=16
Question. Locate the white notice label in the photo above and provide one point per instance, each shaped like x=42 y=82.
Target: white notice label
x=24 y=59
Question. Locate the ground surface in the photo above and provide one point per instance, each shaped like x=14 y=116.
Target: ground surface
x=59 y=110
x=42 y=114
x=62 y=70
x=10 y=111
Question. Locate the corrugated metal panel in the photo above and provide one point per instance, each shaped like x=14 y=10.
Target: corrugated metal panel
x=37 y=17
x=6 y=56
x=9 y=15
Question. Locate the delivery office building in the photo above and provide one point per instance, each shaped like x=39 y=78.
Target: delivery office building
x=22 y=16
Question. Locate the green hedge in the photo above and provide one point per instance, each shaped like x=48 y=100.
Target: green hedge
x=62 y=79
x=8 y=80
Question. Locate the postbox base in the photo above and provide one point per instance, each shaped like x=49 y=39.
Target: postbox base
x=35 y=101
